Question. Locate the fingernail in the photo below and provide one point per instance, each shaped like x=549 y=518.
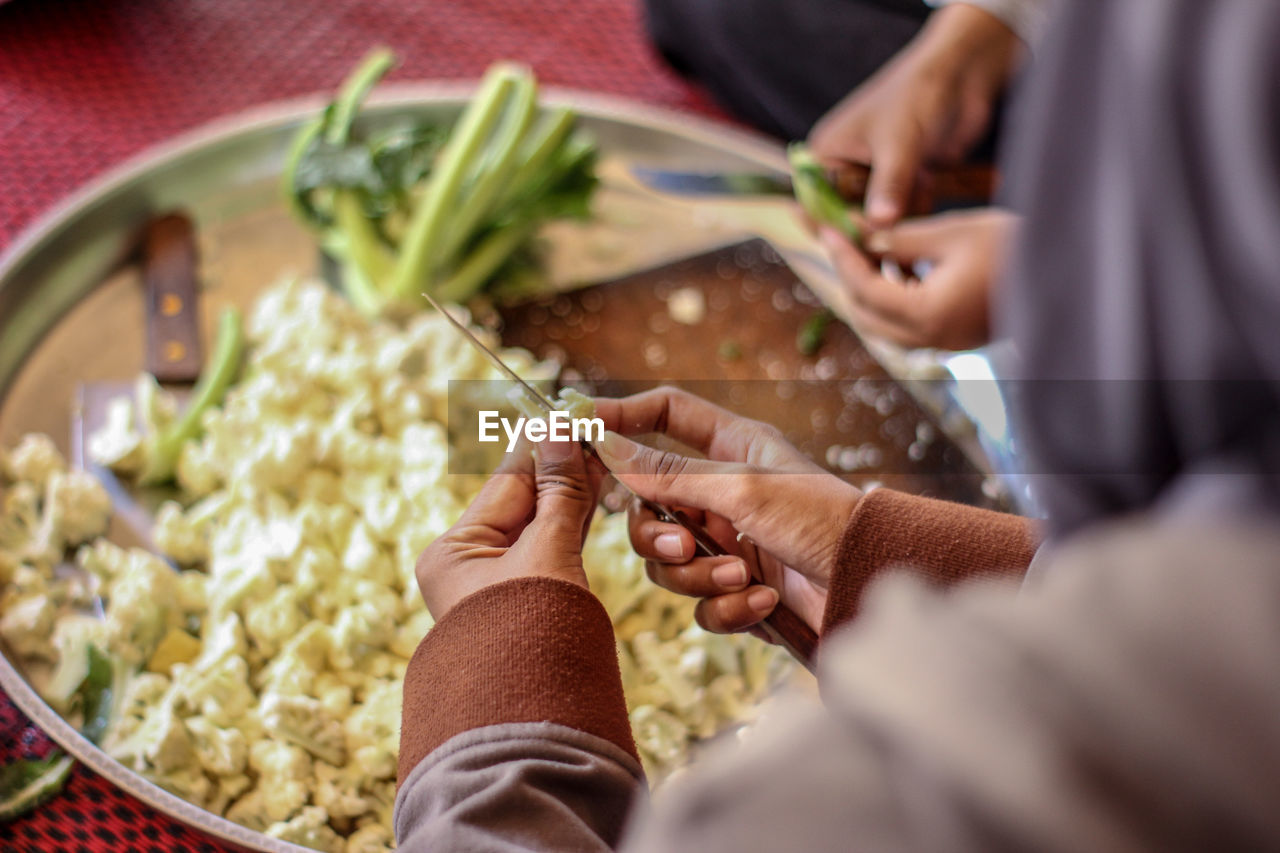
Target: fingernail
x=763 y=599
x=878 y=243
x=882 y=209
x=730 y=575
x=671 y=545
x=550 y=450
x=615 y=449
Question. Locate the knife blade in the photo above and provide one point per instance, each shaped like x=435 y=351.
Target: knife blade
x=953 y=186
x=782 y=626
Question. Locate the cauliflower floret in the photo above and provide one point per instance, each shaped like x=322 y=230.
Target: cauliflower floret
x=310 y=828
x=293 y=671
x=26 y=625
x=72 y=638
x=284 y=772
x=411 y=631
x=118 y=444
x=372 y=837
x=361 y=630
x=376 y=721
x=160 y=742
x=35 y=460
x=142 y=606
x=177 y=537
x=25 y=531
x=337 y=791
x=187 y=781
x=228 y=788
x=364 y=558
x=221 y=692
x=199 y=470
x=78 y=506
x=222 y=751
x=273 y=620
x=305 y=722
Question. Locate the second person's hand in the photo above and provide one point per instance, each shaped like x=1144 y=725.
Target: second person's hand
x=949 y=306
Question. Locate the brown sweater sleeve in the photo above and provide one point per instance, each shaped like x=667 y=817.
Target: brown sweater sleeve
x=946 y=542
x=521 y=651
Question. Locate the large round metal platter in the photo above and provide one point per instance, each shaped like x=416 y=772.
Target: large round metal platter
x=71 y=312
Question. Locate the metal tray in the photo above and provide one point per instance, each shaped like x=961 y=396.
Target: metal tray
x=71 y=312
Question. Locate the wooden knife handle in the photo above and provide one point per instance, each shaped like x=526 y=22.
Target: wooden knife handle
x=972 y=183
x=169 y=265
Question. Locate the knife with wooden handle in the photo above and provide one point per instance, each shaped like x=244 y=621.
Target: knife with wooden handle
x=169 y=266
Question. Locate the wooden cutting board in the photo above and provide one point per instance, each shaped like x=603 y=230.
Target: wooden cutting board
x=724 y=325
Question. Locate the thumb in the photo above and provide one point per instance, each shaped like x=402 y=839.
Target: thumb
x=565 y=499
x=894 y=167
x=919 y=239
x=671 y=479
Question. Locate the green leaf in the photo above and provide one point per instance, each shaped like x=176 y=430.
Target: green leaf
x=24 y=785
x=97 y=696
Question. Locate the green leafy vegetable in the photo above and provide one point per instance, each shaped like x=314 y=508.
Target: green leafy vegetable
x=24 y=785
x=445 y=210
x=811 y=335
x=162 y=449
x=816 y=194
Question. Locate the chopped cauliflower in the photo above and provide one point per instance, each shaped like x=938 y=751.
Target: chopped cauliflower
x=35 y=460
x=281 y=645
x=310 y=828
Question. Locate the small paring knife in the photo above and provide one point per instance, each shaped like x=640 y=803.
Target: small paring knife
x=782 y=626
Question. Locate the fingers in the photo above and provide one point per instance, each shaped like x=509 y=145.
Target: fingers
x=671 y=479
x=506 y=501
x=703 y=426
x=738 y=611
x=565 y=498
x=893 y=305
x=895 y=163
x=683 y=416
x=656 y=540
x=702 y=577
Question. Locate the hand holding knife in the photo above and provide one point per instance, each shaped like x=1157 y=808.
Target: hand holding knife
x=782 y=626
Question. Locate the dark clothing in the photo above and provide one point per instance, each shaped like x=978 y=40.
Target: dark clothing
x=1148 y=166
x=779 y=65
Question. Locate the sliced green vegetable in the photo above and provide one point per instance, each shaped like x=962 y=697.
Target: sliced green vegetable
x=816 y=194
x=811 y=335
x=24 y=785
x=161 y=451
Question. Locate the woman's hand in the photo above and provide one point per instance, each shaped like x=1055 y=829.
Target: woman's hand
x=949 y=307
x=752 y=484
x=529 y=520
x=929 y=105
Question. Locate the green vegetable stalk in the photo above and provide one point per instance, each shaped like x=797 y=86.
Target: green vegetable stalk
x=816 y=194
x=431 y=208
x=161 y=450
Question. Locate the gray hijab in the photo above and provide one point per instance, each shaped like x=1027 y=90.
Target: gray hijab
x=1145 y=293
